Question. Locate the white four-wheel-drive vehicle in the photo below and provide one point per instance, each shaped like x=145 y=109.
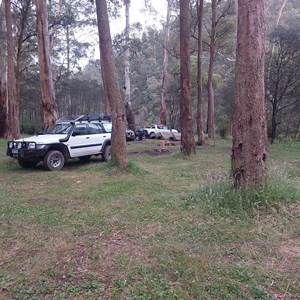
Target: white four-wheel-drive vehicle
x=71 y=137
x=156 y=130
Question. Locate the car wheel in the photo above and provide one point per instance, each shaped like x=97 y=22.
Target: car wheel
x=54 y=160
x=27 y=163
x=152 y=135
x=85 y=159
x=107 y=153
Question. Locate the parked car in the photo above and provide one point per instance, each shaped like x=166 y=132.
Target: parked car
x=140 y=133
x=71 y=137
x=155 y=130
x=130 y=135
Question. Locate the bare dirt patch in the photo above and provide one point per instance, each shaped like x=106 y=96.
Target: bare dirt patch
x=290 y=249
x=153 y=152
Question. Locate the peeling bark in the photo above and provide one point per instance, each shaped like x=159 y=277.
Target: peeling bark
x=49 y=106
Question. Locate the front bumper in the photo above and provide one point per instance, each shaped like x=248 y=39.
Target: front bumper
x=20 y=150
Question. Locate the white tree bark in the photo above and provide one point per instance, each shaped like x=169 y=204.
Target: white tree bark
x=128 y=107
x=163 y=105
x=127 y=54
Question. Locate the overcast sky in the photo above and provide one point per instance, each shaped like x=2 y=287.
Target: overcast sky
x=139 y=14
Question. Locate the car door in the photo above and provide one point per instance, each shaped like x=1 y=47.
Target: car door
x=79 y=142
x=97 y=137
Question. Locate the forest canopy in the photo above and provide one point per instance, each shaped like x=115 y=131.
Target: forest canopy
x=76 y=70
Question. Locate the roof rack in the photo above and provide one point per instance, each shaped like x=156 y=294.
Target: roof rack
x=89 y=117
x=95 y=117
x=69 y=118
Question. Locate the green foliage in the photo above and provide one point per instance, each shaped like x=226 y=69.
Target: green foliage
x=283 y=79
x=224 y=128
x=222 y=199
x=132 y=168
x=30 y=128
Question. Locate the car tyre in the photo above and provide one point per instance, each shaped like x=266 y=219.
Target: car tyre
x=54 y=160
x=26 y=164
x=107 y=153
x=152 y=135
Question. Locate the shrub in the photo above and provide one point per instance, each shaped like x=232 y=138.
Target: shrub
x=30 y=128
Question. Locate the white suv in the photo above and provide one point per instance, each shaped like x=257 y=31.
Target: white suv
x=156 y=130
x=71 y=137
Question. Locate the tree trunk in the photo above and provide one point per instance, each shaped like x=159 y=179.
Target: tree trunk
x=163 y=104
x=249 y=149
x=186 y=120
x=118 y=141
x=4 y=131
x=210 y=89
x=13 y=104
x=56 y=25
x=106 y=105
x=68 y=99
x=128 y=106
x=297 y=129
x=273 y=122
x=201 y=140
x=49 y=106
x=273 y=100
x=25 y=10
x=280 y=12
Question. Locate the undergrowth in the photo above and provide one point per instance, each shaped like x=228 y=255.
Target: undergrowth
x=131 y=168
x=220 y=198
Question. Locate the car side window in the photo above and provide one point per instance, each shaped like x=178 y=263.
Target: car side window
x=107 y=127
x=95 y=128
x=81 y=129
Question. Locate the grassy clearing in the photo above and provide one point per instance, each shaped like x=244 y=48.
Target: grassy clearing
x=169 y=228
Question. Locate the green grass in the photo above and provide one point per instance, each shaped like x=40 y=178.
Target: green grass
x=166 y=228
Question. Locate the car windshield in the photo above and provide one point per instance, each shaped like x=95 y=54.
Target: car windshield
x=62 y=128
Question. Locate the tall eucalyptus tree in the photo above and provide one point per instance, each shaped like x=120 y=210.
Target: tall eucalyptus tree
x=220 y=9
x=249 y=148
x=186 y=120
x=283 y=75
x=163 y=105
x=210 y=89
x=3 y=83
x=13 y=104
x=127 y=87
x=49 y=106
x=118 y=142
x=200 y=135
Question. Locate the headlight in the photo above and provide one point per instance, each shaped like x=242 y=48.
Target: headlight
x=31 y=145
x=10 y=145
x=40 y=146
